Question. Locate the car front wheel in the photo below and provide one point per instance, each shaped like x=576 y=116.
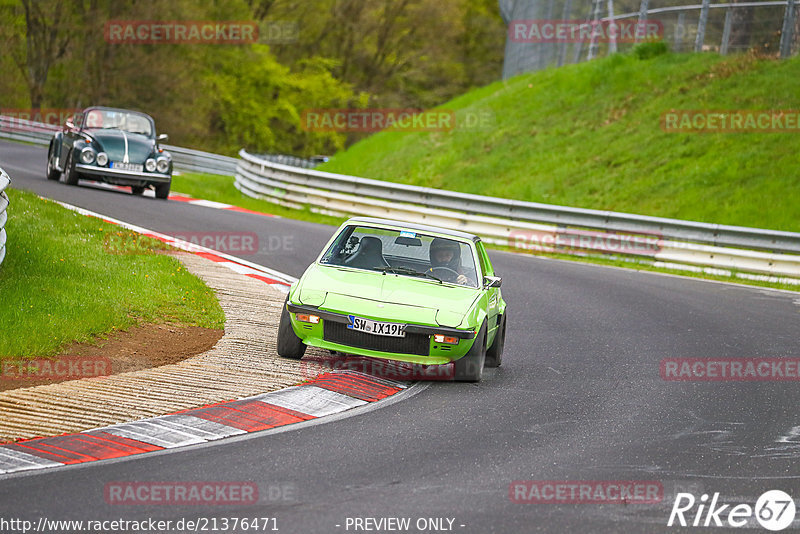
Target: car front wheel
x=162 y=191
x=70 y=176
x=52 y=172
x=137 y=189
x=469 y=368
x=289 y=345
x=494 y=355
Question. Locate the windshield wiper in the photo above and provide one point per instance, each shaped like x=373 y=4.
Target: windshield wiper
x=409 y=271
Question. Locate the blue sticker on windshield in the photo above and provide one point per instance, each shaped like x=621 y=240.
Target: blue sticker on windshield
x=406 y=233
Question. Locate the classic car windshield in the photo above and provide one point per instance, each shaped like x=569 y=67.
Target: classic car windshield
x=118 y=120
x=403 y=252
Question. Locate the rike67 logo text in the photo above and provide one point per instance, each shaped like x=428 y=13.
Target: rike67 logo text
x=774 y=510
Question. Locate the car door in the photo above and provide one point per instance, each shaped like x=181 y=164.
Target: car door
x=492 y=293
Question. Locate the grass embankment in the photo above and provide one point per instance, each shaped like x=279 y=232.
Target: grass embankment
x=64 y=281
x=589 y=135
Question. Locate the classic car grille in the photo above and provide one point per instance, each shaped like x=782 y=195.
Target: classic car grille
x=418 y=344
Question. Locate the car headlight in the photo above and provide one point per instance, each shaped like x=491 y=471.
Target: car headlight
x=102 y=159
x=150 y=165
x=162 y=165
x=87 y=155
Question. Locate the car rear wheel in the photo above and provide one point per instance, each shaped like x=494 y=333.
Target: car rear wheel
x=52 y=172
x=289 y=345
x=137 y=189
x=162 y=191
x=494 y=355
x=469 y=368
x=70 y=176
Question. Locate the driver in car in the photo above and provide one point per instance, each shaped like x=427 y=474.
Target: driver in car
x=446 y=261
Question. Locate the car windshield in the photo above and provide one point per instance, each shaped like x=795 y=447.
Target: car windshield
x=119 y=120
x=405 y=253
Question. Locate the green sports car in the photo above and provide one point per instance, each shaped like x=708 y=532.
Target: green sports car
x=399 y=291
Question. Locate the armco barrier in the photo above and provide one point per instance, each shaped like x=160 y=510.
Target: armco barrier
x=184 y=159
x=4 y=182
x=503 y=221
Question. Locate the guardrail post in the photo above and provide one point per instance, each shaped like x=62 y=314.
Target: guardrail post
x=643 y=7
x=680 y=32
x=701 y=27
x=593 y=45
x=612 y=41
x=562 y=49
x=787 y=30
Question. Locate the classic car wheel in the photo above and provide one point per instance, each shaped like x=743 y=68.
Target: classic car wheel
x=162 y=191
x=137 y=189
x=289 y=345
x=469 y=368
x=70 y=176
x=52 y=172
x=494 y=355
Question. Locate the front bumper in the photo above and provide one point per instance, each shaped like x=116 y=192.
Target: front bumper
x=417 y=337
x=118 y=176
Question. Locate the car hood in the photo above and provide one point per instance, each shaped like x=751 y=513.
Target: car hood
x=112 y=142
x=389 y=297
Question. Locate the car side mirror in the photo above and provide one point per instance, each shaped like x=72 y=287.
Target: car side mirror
x=69 y=124
x=162 y=137
x=492 y=281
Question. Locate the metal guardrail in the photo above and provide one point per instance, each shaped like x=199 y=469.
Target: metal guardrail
x=184 y=159
x=537 y=226
x=5 y=180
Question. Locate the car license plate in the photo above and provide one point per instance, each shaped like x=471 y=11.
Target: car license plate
x=376 y=327
x=120 y=166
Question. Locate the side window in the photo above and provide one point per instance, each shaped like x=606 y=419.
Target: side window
x=486 y=265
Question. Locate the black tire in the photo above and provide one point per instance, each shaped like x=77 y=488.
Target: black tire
x=70 y=176
x=289 y=345
x=494 y=355
x=52 y=172
x=162 y=191
x=469 y=368
x=138 y=189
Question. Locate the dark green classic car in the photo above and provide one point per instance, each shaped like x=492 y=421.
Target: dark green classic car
x=115 y=146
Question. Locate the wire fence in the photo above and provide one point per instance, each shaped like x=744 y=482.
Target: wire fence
x=550 y=33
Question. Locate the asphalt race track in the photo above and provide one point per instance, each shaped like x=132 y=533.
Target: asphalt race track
x=579 y=398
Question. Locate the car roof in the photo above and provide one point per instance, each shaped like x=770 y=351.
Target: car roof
x=414 y=226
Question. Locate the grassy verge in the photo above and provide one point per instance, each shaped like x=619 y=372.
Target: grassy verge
x=60 y=282
x=220 y=189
